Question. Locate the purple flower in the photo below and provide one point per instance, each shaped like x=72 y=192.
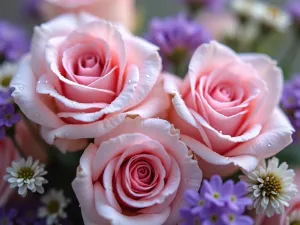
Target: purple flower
x=293 y=8
x=188 y=217
x=290 y=102
x=212 y=216
x=236 y=196
x=32 y=8
x=177 y=37
x=7 y=216
x=13 y=41
x=235 y=219
x=215 y=192
x=5 y=96
x=217 y=204
x=8 y=116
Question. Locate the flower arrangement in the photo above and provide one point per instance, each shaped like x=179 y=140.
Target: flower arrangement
x=192 y=119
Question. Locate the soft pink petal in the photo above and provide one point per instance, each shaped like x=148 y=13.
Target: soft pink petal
x=268 y=71
x=274 y=136
x=83 y=185
x=33 y=105
x=116 y=218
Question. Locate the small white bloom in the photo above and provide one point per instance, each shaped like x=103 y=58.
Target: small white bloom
x=294 y=217
x=26 y=175
x=276 y=18
x=54 y=205
x=271 y=187
x=7 y=70
x=248 y=8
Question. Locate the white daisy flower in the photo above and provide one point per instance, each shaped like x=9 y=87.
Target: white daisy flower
x=294 y=217
x=54 y=205
x=276 y=18
x=271 y=187
x=248 y=8
x=26 y=175
x=7 y=70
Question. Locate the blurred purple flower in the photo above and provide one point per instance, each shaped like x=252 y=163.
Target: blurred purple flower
x=13 y=41
x=5 y=96
x=293 y=8
x=7 y=216
x=290 y=102
x=177 y=37
x=32 y=8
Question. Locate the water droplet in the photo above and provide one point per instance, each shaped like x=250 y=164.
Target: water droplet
x=269 y=145
x=46 y=81
x=21 y=87
x=67 y=134
x=129 y=81
x=39 y=82
x=148 y=75
x=79 y=206
x=227 y=158
x=37 y=115
x=221 y=132
x=189 y=181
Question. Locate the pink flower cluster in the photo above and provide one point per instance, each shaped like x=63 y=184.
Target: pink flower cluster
x=152 y=132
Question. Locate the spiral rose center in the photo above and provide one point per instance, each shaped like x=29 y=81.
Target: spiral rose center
x=222 y=93
x=89 y=65
x=142 y=172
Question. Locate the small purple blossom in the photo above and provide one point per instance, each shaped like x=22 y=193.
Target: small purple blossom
x=290 y=102
x=217 y=204
x=235 y=219
x=293 y=8
x=177 y=37
x=7 y=216
x=8 y=116
x=13 y=41
x=5 y=96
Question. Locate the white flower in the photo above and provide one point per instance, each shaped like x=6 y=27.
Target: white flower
x=54 y=205
x=276 y=18
x=26 y=175
x=271 y=187
x=7 y=70
x=294 y=217
x=248 y=8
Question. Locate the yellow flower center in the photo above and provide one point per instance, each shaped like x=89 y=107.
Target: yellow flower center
x=53 y=207
x=25 y=173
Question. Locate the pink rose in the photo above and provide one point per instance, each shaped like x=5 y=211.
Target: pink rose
x=84 y=76
x=290 y=212
x=121 y=11
x=136 y=174
x=8 y=153
x=227 y=109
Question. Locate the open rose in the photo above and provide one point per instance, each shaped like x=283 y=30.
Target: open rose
x=121 y=11
x=136 y=174
x=227 y=109
x=84 y=76
x=8 y=153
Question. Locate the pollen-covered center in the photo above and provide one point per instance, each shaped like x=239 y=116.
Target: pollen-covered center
x=214 y=218
x=295 y=222
x=53 y=207
x=5 y=81
x=25 y=173
x=271 y=185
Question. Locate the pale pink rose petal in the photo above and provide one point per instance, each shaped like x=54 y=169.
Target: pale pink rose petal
x=275 y=136
x=269 y=72
x=84 y=184
x=117 y=218
x=59 y=26
x=32 y=104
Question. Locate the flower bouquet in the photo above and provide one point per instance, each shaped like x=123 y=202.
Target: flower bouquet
x=181 y=121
